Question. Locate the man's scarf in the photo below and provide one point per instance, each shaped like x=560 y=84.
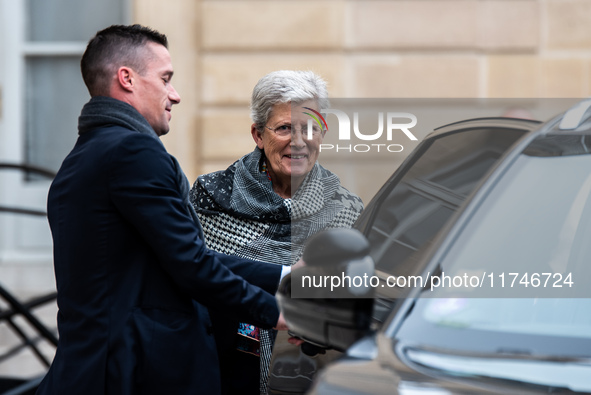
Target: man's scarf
x=103 y=111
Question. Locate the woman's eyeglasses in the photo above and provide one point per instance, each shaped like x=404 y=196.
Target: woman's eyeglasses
x=287 y=130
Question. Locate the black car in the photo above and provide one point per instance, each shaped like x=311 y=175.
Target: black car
x=499 y=202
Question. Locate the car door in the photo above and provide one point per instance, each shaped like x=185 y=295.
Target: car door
x=406 y=215
x=404 y=219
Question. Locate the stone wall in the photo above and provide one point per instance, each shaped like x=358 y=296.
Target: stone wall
x=364 y=48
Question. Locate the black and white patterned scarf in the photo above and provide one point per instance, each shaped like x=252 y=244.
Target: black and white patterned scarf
x=242 y=215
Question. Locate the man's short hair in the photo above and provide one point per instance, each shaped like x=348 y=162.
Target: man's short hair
x=113 y=47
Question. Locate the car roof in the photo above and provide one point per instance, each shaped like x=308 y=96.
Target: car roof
x=576 y=119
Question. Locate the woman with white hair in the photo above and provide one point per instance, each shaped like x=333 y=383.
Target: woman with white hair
x=267 y=203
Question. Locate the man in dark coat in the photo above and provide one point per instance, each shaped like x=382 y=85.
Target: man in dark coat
x=132 y=272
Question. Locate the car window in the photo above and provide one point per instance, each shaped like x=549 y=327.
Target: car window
x=409 y=213
x=531 y=233
x=537 y=219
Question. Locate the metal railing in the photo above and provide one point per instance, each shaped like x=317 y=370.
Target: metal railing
x=16 y=308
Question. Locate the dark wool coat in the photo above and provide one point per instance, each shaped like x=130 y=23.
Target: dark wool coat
x=129 y=264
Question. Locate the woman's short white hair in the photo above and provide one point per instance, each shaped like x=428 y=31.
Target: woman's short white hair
x=285 y=86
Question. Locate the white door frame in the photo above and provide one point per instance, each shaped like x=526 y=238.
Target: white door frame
x=24 y=240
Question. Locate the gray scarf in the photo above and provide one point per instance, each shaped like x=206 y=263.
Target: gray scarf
x=103 y=111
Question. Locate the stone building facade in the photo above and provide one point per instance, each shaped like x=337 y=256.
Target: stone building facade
x=363 y=48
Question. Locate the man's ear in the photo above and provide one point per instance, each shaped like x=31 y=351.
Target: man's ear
x=256 y=135
x=126 y=78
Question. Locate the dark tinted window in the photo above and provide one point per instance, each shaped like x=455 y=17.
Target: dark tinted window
x=534 y=224
x=416 y=208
